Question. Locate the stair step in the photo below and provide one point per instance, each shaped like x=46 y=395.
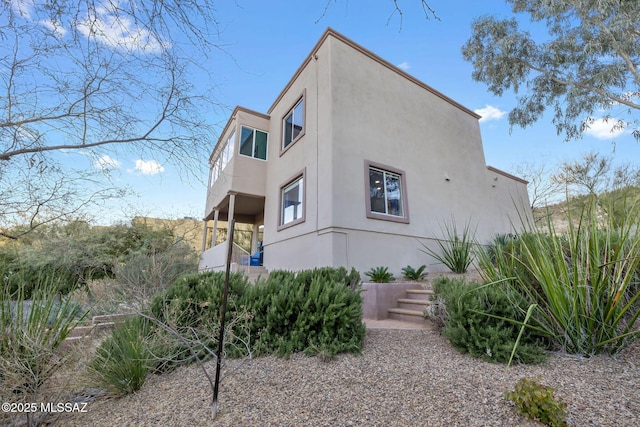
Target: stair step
x=414 y=301
x=413 y=304
x=419 y=294
x=420 y=291
x=406 y=315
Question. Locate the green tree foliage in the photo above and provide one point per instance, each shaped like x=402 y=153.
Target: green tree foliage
x=588 y=63
x=76 y=253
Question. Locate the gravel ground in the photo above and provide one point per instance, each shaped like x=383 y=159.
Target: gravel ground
x=402 y=378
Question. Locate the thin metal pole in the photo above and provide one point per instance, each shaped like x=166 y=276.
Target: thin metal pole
x=223 y=310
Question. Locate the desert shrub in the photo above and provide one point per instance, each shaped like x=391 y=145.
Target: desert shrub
x=455 y=250
x=584 y=284
x=537 y=402
x=484 y=321
x=329 y=274
x=124 y=359
x=307 y=312
x=411 y=273
x=380 y=275
x=315 y=311
x=76 y=254
x=142 y=274
x=192 y=306
x=31 y=331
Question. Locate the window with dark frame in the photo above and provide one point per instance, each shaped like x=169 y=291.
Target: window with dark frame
x=293 y=124
x=253 y=143
x=386 y=196
x=292 y=205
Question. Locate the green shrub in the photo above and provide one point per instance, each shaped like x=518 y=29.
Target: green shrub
x=483 y=321
x=455 y=250
x=350 y=279
x=537 y=402
x=584 y=284
x=307 y=313
x=192 y=305
x=411 y=273
x=380 y=275
x=125 y=358
x=314 y=311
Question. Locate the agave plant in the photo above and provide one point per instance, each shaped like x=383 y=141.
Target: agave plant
x=411 y=273
x=380 y=275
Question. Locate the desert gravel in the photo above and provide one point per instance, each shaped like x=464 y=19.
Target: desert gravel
x=402 y=378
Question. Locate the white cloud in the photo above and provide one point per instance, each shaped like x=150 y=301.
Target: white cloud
x=490 y=113
x=112 y=29
x=22 y=7
x=149 y=167
x=604 y=128
x=54 y=27
x=404 y=66
x=106 y=162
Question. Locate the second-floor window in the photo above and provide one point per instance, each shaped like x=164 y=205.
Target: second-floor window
x=253 y=143
x=293 y=124
x=224 y=156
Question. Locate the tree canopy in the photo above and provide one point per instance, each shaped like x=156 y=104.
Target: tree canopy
x=586 y=70
x=87 y=77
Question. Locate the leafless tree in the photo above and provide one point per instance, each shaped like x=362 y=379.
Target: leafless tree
x=91 y=78
x=543 y=190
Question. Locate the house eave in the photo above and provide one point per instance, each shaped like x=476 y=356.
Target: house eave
x=330 y=32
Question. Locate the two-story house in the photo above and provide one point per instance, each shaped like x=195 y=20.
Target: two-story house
x=354 y=164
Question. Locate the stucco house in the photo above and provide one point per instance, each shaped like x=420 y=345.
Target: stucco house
x=354 y=164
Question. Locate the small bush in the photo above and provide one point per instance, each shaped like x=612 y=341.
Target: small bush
x=125 y=358
x=537 y=402
x=380 y=275
x=411 y=273
x=313 y=311
x=192 y=306
x=482 y=321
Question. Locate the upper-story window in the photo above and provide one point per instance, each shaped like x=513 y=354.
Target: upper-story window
x=253 y=143
x=293 y=124
x=386 y=193
x=223 y=158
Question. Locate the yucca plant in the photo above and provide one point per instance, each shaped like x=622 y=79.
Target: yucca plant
x=455 y=250
x=584 y=284
x=31 y=331
x=125 y=358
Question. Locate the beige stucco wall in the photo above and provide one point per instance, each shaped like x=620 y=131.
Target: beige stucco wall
x=244 y=175
x=357 y=108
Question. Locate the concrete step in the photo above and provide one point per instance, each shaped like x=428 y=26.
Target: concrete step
x=413 y=304
x=419 y=294
x=111 y=318
x=406 y=315
x=255 y=272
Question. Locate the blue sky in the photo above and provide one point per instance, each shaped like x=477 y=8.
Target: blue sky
x=263 y=43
